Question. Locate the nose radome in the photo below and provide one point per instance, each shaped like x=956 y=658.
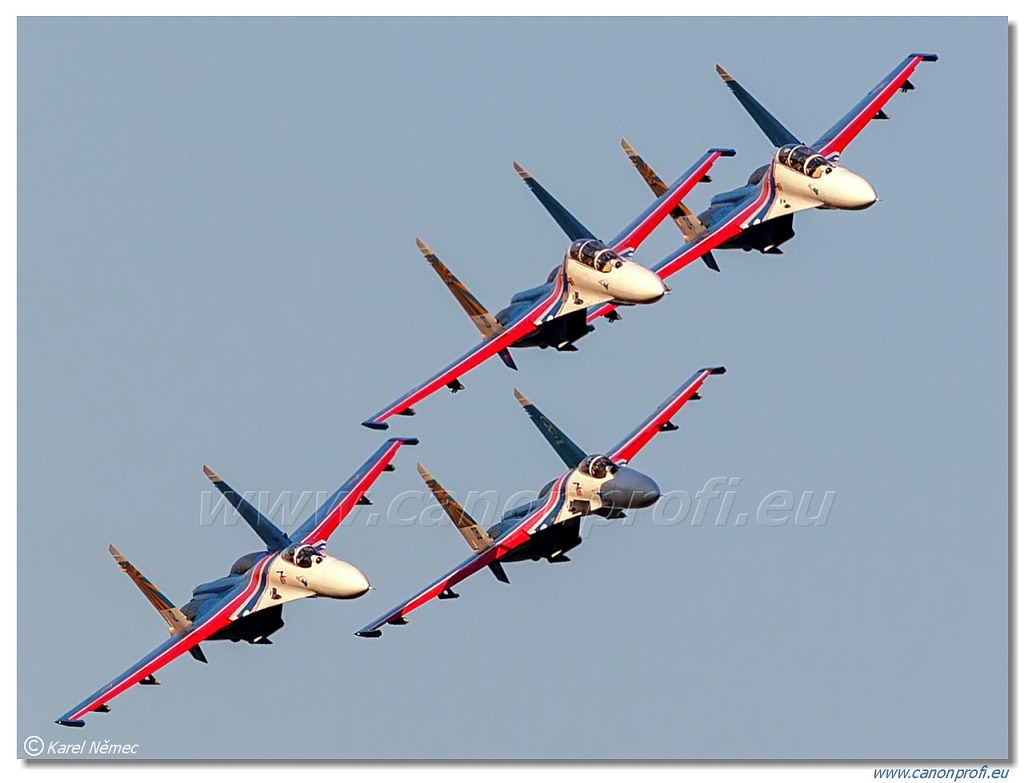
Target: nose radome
x=630 y=488
x=645 y=285
x=344 y=580
x=855 y=192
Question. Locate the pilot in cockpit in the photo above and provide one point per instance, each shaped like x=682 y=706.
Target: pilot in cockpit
x=597 y=466
x=303 y=556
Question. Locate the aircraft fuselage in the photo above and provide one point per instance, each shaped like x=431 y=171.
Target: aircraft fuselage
x=596 y=486
x=780 y=190
x=297 y=572
x=591 y=274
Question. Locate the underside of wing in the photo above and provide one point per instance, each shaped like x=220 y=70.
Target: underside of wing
x=440 y=588
x=449 y=376
x=836 y=138
x=636 y=232
x=218 y=618
x=660 y=419
x=727 y=228
x=325 y=520
x=546 y=514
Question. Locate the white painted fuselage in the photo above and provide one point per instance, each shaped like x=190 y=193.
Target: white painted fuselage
x=325 y=577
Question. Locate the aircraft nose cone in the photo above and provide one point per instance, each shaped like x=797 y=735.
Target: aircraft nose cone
x=630 y=489
x=855 y=192
x=644 y=286
x=343 y=580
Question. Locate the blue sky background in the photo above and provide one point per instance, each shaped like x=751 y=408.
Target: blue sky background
x=216 y=225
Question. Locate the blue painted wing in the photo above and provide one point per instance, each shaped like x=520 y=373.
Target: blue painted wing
x=219 y=616
x=653 y=424
x=835 y=139
x=633 y=235
x=729 y=225
x=525 y=324
x=515 y=537
x=325 y=520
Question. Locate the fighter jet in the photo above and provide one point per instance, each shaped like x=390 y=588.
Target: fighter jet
x=759 y=215
x=246 y=604
x=554 y=314
x=549 y=527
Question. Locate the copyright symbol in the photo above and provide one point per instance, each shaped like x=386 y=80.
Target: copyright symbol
x=33 y=745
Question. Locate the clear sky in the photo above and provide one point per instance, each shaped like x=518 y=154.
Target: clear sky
x=216 y=264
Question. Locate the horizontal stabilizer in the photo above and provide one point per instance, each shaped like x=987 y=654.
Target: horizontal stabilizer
x=566 y=221
x=264 y=528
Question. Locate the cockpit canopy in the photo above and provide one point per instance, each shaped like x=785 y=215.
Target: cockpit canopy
x=598 y=466
x=592 y=253
x=804 y=160
x=303 y=556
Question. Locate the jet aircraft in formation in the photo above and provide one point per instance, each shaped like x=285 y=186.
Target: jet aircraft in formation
x=246 y=604
x=593 y=279
x=549 y=526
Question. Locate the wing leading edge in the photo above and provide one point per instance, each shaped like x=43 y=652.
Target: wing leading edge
x=449 y=376
x=219 y=617
x=836 y=138
x=501 y=546
x=636 y=232
x=660 y=419
x=730 y=226
x=326 y=519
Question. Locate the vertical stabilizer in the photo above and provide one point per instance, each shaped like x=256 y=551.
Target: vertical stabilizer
x=571 y=454
x=477 y=538
x=563 y=217
x=264 y=528
x=176 y=621
x=773 y=129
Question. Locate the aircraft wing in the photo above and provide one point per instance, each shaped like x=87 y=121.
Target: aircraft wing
x=636 y=232
x=843 y=132
x=449 y=376
x=659 y=420
x=326 y=519
x=731 y=225
x=223 y=613
x=543 y=517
